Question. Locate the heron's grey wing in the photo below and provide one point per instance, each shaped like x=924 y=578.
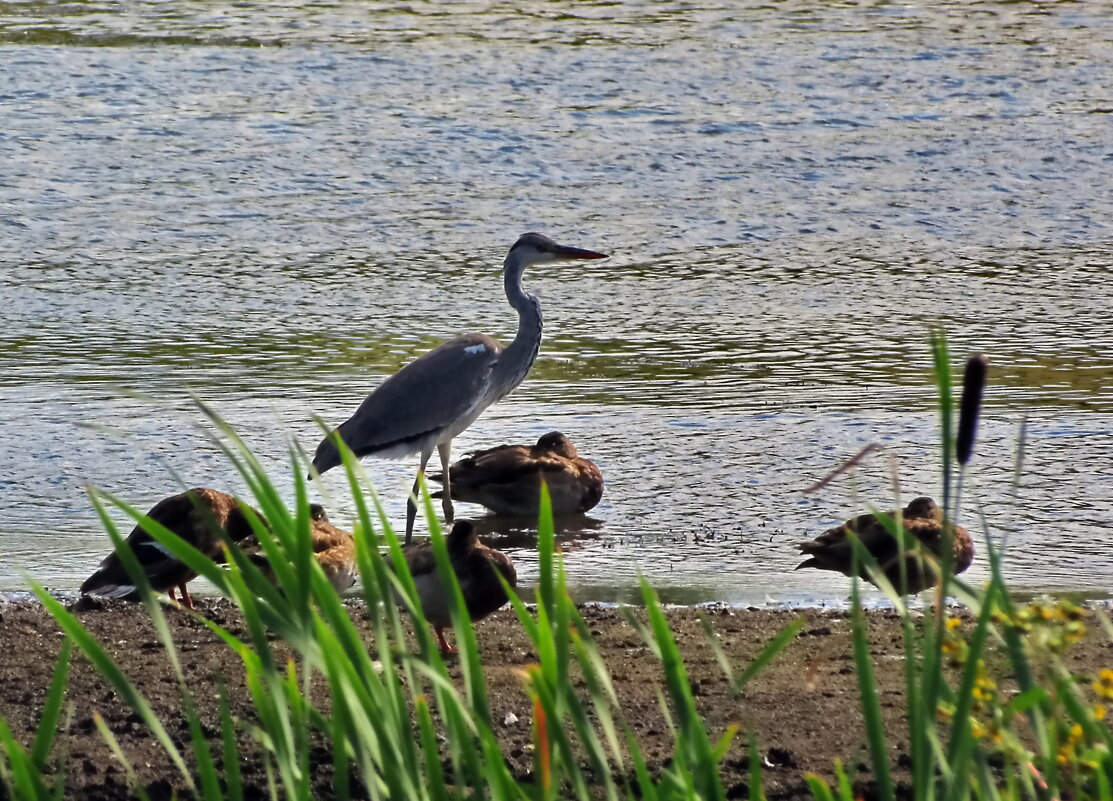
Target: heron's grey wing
x=427 y=396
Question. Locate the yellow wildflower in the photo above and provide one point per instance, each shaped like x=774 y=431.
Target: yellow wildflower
x=1103 y=685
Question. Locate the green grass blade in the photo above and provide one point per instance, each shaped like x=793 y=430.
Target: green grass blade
x=546 y=551
x=114 y=746
x=206 y=767
x=338 y=727
x=525 y=617
x=757 y=789
x=942 y=361
x=115 y=677
x=52 y=708
x=846 y=790
x=20 y=773
x=1014 y=644
x=233 y=780
x=433 y=771
x=646 y=787
x=961 y=747
x=601 y=689
x=694 y=745
x=921 y=715
x=821 y=791
x=871 y=705
x=769 y=653
x=591 y=746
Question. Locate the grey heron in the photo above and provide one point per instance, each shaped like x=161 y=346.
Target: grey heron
x=432 y=399
x=507 y=479
x=922 y=520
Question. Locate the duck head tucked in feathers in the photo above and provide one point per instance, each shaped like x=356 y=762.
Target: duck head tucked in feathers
x=922 y=519
x=334 y=548
x=507 y=479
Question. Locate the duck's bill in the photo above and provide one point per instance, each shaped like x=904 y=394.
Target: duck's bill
x=565 y=252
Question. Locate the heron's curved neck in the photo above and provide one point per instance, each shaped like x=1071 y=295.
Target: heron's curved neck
x=515 y=361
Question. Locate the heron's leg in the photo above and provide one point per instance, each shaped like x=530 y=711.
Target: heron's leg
x=445 y=450
x=411 y=502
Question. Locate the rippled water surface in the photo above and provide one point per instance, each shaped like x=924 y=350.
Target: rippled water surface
x=272 y=206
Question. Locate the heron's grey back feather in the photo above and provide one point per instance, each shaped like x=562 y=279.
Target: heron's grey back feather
x=442 y=390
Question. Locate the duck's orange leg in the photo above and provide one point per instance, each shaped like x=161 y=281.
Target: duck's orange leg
x=445 y=647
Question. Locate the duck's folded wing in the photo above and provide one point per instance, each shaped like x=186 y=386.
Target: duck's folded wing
x=112 y=580
x=420 y=559
x=508 y=466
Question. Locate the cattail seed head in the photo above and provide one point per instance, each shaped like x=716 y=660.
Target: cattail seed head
x=973 y=384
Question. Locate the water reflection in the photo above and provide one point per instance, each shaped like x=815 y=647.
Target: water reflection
x=509 y=533
x=295 y=200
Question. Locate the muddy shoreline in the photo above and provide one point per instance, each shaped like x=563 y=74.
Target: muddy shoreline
x=803 y=708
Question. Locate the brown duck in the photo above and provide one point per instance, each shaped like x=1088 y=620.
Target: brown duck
x=476 y=567
x=923 y=519
x=334 y=548
x=507 y=479
x=196 y=516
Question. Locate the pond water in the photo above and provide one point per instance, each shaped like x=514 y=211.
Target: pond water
x=271 y=206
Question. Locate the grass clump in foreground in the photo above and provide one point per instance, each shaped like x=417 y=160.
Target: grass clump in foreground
x=395 y=723
x=398 y=726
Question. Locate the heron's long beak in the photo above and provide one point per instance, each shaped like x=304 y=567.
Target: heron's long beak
x=565 y=252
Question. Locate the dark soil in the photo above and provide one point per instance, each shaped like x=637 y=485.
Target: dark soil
x=803 y=708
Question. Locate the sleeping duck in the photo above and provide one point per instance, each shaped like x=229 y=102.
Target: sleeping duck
x=507 y=479
x=476 y=567
x=196 y=516
x=334 y=548
x=923 y=520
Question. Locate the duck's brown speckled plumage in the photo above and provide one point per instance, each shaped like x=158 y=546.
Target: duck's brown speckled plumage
x=475 y=566
x=196 y=516
x=923 y=519
x=507 y=479
x=334 y=548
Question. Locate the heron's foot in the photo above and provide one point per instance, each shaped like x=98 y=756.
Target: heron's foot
x=449 y=511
